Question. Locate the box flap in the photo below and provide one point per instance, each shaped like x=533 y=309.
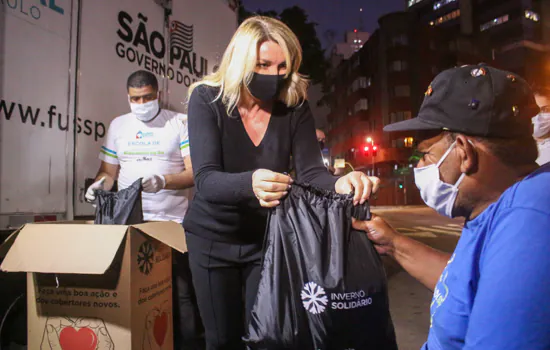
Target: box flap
x=66 y=248
x=6 y=245
x=68 y=222
x=168 y=232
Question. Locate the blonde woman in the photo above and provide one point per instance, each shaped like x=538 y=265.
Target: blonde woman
x=245 y=122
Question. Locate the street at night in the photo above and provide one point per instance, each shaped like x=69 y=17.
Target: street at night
x=424 y=224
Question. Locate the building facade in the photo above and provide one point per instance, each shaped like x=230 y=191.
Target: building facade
x=353 y=42
x=384 y=82
x=515 y=31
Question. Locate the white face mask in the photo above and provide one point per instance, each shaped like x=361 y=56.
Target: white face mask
x=145 y=111
x=437 y=194
x=541 y=124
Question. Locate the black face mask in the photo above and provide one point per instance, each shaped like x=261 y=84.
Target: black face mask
x=266 y=87
x=322 y=145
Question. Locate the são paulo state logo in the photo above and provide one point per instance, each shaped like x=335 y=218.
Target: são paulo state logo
x=145 y=257
x=314 y=298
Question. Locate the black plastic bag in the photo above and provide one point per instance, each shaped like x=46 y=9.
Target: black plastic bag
x=120 y=208
x=323 y=285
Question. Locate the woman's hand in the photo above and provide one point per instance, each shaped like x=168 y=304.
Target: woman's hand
x=269 y=187
x=363 y=185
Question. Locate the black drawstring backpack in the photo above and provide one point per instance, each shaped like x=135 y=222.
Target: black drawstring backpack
x=119 y=208
x=323 y=285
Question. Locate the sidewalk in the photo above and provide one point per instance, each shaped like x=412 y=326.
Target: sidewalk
x=410 y=310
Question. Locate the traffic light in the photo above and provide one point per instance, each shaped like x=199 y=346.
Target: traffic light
x=366 y=150
x=374 y=150
x=400 y=185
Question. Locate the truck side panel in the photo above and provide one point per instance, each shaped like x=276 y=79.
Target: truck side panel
x=35 y=120
x=40 y=109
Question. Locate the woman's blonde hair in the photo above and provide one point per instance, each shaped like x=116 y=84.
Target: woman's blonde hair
x=240 y=59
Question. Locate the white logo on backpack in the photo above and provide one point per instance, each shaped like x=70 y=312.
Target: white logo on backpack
x=314 y=298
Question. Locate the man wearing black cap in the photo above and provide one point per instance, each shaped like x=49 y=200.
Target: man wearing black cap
x=478 y=162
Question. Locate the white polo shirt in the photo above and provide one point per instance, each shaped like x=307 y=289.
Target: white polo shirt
x=146 y=148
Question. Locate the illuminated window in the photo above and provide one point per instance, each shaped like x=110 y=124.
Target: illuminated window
x=359 y=83
x=414 y=2
x=533 y=16
x=440 y=4
x=494 y=22
x=400 y=40
x=409 y=141
x=362 y=104
x=402 y=91
x=449 y=16
x=398 y=66
x=363 y=82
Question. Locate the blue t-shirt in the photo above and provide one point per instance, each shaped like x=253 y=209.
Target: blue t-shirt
x=494 y=293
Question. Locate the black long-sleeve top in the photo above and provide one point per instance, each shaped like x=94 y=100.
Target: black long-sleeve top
x=224 y=158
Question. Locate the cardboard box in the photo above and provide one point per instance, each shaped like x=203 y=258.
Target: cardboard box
x=97 y=286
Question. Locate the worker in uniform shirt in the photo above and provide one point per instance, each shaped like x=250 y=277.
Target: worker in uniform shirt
x=152 y=143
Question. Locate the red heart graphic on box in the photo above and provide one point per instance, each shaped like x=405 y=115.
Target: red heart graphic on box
x=83 y=339
x=160 y=328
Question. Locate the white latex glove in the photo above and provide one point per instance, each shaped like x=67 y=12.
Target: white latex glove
x=90 y=193
x=153 y=183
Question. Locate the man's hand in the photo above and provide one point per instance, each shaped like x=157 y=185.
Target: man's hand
x=380 y=233
x=269 y=187
x=153 y=183
x=90 y=193
x=421 y=261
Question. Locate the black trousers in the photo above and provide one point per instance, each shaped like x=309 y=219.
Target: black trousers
x=226 y=277
x=188 y=329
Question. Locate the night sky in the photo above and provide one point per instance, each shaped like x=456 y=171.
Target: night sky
x=337 y=15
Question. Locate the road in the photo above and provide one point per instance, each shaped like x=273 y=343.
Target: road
x=409 y=300
x=424 y=224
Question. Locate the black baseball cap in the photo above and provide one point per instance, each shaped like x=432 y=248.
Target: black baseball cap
x=476 y=100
